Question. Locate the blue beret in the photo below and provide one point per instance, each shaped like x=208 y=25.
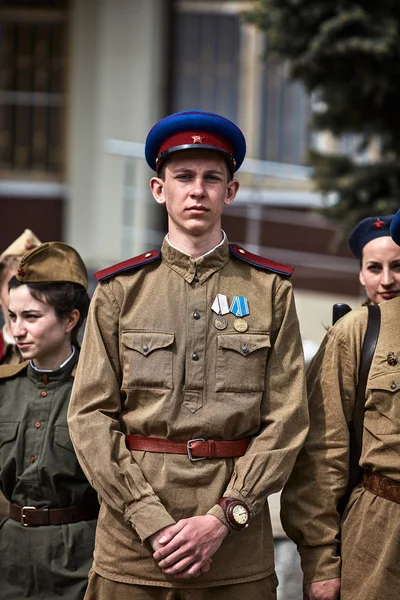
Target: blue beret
x=395 y=228
x=368 y=229
x=195 y=129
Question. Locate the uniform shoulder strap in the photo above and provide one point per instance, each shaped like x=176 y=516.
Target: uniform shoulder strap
x=259 y=261
x=7 y=371
x=356 y=425
x=126 y=265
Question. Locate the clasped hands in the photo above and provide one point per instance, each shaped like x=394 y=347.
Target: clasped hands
x=185 y=549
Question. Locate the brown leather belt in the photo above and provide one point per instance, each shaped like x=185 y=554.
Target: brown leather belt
x=196 y=449
x=29 y=516
x=382 y=486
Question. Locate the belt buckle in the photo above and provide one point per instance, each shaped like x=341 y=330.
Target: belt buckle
x=23 y=515
x=189 y=450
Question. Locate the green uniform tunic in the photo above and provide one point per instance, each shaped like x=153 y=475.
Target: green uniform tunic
x=154 y=363
x=38 y=467
x=370 y=531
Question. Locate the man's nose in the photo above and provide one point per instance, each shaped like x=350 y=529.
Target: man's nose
x=198 y=187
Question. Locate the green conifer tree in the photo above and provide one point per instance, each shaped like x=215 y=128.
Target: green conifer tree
x=347 y=55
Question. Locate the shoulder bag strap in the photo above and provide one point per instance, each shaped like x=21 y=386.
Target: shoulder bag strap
x=357 y=423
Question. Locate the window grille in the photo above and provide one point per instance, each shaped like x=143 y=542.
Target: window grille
x=33 y=73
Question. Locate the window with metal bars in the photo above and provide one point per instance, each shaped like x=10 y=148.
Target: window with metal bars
x=33 y=74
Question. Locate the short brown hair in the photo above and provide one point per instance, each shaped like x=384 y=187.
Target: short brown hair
x=64 y=297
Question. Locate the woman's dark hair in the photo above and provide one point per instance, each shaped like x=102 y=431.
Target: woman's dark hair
x=64 y=297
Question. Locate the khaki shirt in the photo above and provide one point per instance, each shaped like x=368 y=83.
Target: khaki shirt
x=9 y=353
x=154 y=364
x=320 y=475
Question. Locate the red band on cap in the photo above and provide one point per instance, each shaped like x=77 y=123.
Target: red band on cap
x=194 y=138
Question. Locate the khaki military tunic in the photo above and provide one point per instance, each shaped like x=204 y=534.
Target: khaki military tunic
x=371 y=525
x=38 y=467
x=153 y=363
x=9 y=353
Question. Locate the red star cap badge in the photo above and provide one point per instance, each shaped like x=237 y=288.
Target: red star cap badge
x=197 y=139
x=378 y=224
x=21 y=272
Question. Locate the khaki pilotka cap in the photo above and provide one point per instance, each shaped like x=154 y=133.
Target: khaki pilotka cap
x=52 y=262
x=25 y=242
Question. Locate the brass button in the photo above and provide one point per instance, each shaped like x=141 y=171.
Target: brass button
x=37 y=424
x=43 y=394
x=196 y=315
x=147 y=255
x=31 y=459
x=392 y=359
x=195 y=356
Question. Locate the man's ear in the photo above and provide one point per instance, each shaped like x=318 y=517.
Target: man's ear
x=157 y=189
x=231 y=191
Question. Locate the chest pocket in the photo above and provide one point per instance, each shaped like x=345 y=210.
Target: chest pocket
x=382 y=415
x=147 y=359
x=62 y=438
x=241 y=362
x=8 y=432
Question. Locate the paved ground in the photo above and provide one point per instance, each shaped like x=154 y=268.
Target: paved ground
x=287 y=560
x=287 y=566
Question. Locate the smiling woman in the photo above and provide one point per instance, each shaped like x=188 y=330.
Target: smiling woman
x=51 y=502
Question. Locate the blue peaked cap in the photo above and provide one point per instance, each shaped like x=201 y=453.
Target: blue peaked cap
x=395 y=228
x=368 y=229
x=225 y=137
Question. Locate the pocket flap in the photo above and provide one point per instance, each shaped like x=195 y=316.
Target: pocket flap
x=244 y=343
x=146 y=342
x=62 y=437
x=389 y=382
x=8 y=431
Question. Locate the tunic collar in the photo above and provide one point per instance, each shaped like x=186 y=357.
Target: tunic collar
x=52 y=378
x=198 y=269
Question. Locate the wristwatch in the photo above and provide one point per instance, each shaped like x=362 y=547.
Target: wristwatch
x=236 y=512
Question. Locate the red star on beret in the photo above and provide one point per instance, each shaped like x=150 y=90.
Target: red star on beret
x=197 y=139
x=378 y=224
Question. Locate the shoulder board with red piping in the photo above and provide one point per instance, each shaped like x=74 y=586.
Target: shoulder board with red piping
x=7 y=371
x=259 y=261
x=131 y=263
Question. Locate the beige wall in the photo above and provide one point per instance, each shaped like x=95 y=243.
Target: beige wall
x=116 y=83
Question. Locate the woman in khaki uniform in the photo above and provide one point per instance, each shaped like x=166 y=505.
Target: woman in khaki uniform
x=366 y=564
x=46 y=544
x=379 y=257
x=189 y=405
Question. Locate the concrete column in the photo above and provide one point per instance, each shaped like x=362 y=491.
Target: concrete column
x=116 y=83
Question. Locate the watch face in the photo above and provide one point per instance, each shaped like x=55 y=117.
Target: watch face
x=240 y=514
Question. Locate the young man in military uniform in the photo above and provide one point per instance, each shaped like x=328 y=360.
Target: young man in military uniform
x=9 y=261
x=189 y=405
x=365 y=563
